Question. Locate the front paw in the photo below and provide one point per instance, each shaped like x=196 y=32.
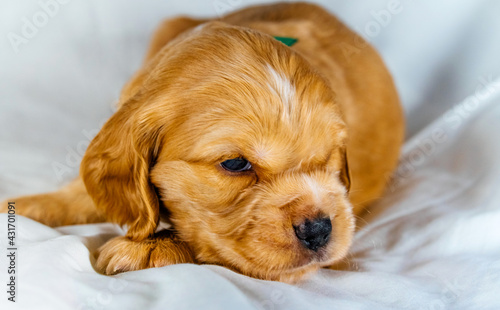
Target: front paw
x=121 y=254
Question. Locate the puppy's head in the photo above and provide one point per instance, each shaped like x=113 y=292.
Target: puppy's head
x=237 y=136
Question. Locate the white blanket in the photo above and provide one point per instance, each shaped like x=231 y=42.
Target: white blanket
x=432 y=242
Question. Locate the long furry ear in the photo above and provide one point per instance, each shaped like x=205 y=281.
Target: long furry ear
x=345 y=174
x=115 y=170
x=116 y=165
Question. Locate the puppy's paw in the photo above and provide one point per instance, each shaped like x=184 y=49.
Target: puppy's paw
x=121 y=254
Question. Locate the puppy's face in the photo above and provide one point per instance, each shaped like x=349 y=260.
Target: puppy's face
x=252 y=175
x=249 y=156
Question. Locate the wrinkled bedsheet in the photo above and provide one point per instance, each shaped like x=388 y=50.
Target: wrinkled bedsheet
x=432 y=241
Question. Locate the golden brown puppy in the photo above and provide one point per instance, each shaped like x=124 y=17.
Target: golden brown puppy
x=242 y=144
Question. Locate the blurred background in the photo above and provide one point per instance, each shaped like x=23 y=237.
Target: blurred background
x=430 y=243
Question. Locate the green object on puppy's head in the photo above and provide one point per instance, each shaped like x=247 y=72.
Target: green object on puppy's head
x=286 y=40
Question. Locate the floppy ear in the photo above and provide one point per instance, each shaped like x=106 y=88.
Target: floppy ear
x=345 y=175
x=116 y=165
x=115 y=170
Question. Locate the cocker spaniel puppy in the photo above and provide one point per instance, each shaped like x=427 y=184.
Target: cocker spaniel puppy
x=257 y=154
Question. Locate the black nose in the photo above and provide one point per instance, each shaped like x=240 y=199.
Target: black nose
x=314 y=234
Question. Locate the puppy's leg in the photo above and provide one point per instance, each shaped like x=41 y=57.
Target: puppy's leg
x=121 y=254
x=67 y=206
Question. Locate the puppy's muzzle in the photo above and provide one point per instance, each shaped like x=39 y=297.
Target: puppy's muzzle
x=314 y=234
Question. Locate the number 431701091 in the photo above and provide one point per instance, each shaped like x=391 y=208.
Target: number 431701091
x=11 y=224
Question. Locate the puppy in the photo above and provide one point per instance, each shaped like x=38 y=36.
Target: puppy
x=258 y=155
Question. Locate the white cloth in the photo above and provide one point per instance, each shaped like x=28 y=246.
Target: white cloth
x=432 y=242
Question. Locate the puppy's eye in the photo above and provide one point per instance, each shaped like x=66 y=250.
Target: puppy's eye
x=239 y=164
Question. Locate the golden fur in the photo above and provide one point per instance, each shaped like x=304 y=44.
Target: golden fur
x=312 y=122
